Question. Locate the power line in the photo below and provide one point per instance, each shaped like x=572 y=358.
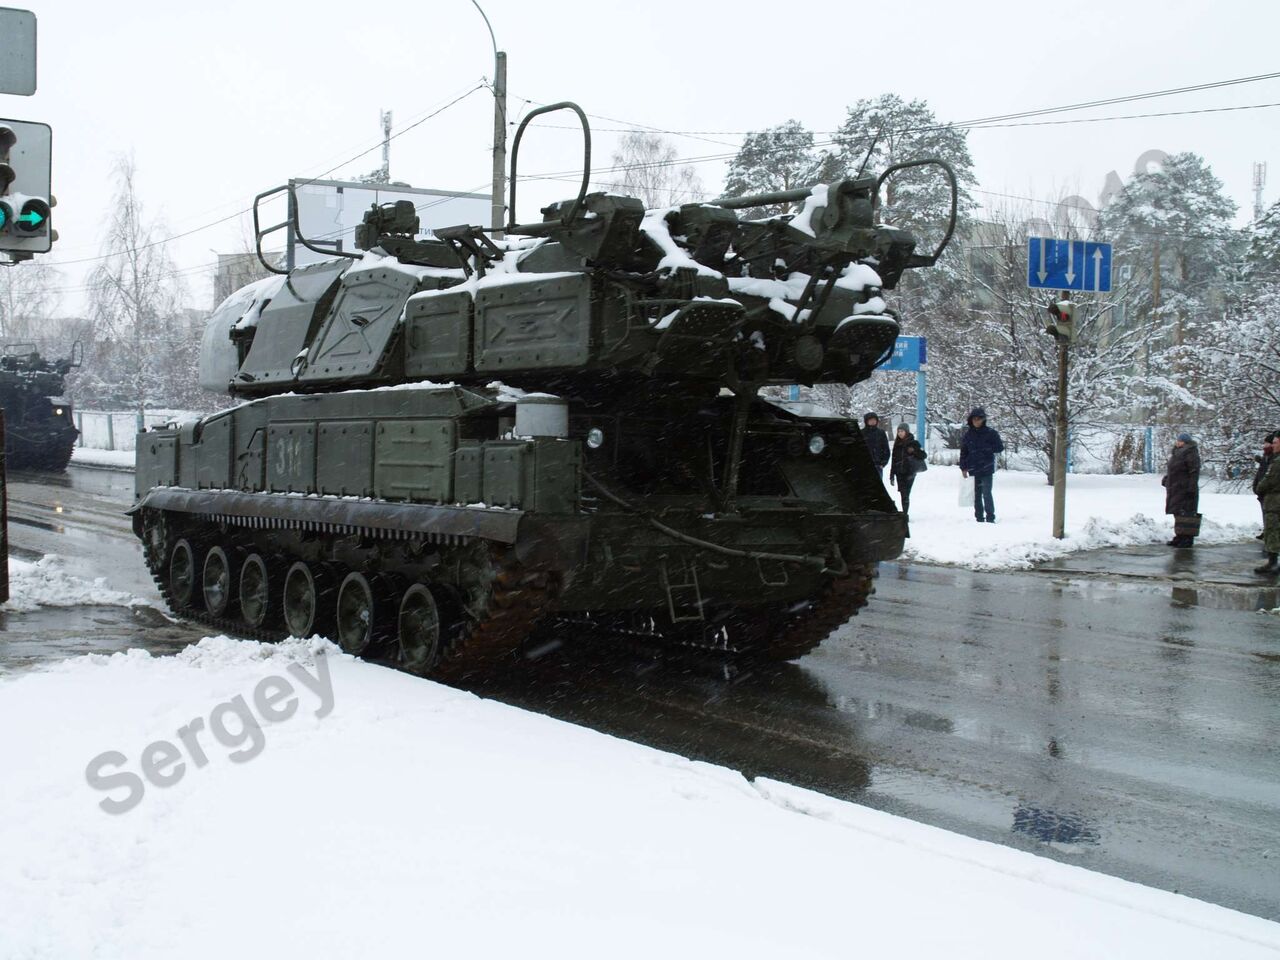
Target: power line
x=952 y=126
x=238 y=213
x=973 y=124
x=980 y=123
x=1169 y=92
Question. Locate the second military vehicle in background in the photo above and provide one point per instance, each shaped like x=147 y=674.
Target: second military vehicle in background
x=39 y=430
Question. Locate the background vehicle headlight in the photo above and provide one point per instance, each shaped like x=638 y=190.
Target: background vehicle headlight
x=817 y=443
x=595 y=438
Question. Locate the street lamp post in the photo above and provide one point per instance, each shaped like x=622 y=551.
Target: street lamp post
x=498 y=216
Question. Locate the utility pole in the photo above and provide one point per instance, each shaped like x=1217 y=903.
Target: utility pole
x=1259 y=181
x=386 y=146
x=499 y=217
x=1149 y=451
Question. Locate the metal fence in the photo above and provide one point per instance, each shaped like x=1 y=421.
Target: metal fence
x=117 y=430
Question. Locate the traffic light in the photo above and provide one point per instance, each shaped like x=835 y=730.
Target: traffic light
x=26 y=204
x=1062 y=319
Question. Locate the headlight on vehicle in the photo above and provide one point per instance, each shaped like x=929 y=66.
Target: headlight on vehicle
x=817 y=443
x=595 y=438
x=57 y=411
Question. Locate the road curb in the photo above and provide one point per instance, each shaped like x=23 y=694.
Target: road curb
x=109 y=467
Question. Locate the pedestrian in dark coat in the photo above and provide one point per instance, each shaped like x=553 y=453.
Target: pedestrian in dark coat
x=1182 y=491
x=1264 y=461
x=908 y=460
x=1268 y=487
x=978 y=449
x=877 y=441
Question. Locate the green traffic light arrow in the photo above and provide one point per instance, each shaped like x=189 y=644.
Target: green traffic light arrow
x=32 y=218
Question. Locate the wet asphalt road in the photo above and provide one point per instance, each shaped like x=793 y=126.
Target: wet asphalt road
x=1096 y=714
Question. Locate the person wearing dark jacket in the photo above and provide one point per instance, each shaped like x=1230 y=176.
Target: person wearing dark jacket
x=877 y=442
x=1268 y=487
x=978 y=449
x=908 y=460
x=1182 y=491
x=1264 y=461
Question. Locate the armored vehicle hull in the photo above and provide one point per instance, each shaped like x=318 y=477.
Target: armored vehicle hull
x=405 y=522
x=445 y=446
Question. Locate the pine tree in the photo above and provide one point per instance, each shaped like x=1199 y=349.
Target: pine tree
x=779 y=158
x=880 y=132
x=1262 y=258
x=1172 y=227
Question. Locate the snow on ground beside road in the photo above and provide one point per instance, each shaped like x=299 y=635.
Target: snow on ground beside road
x=414 y=819
x=1102 y=511
x=87 y=456
x=47 y=583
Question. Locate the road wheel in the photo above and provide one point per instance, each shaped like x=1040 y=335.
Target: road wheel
x=256 y=606
x=216 y=582
x=359 y=614
x=182 y=573
x=419 y=631
x=307 y=587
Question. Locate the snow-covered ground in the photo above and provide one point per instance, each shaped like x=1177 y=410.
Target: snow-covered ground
x=389 y=817
x=1102 y=511
x=88 y=456
x=48 y=583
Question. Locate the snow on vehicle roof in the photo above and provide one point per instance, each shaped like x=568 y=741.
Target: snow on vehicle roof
x=674 y=256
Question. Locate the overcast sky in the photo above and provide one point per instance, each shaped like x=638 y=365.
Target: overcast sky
x=219 y=100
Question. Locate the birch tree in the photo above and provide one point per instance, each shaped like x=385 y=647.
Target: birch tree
x=135 y=295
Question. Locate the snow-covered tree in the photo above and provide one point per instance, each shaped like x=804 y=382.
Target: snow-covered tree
x=143 y=346
x=1003 y=359
x=1172 y=227
x=885 y=130
x=1240 y=369
x=777 y=158
x=1262 y=258
x=647 y=166
x=28 y=298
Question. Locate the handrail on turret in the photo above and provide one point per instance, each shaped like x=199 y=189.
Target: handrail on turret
x=536 y=229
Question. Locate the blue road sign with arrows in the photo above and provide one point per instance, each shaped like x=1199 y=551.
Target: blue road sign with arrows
x=1068 y=264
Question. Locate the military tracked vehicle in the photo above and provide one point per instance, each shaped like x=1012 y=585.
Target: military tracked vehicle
x=445 y=445
x=39 y=430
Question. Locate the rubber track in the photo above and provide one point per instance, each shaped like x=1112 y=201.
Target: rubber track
x=842 y=601
x=516 y=601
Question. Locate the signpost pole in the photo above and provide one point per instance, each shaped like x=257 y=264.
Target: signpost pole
x=922 y=401
x=4 y=519
x=499 y=199
x=1060 y=448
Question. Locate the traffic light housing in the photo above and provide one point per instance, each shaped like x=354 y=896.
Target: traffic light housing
x=1061 y=321
x=26 y=203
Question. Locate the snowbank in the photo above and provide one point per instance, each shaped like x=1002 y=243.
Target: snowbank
x=46 y=583
x=416 y=820
x=1102 y=511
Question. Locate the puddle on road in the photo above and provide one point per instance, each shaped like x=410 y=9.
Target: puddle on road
x=44 y=636
x=1226 y=598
